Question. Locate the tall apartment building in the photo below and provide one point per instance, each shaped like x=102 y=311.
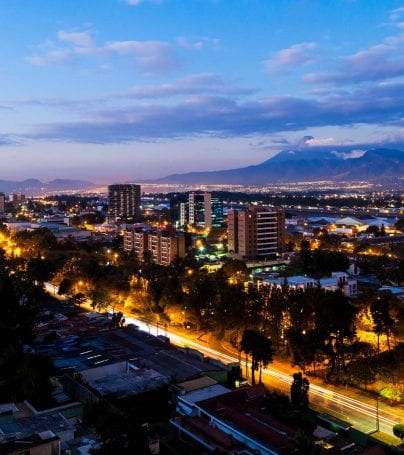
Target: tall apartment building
x=124 y=202
x=2 y=203
x=162 y=245
x=256 y=232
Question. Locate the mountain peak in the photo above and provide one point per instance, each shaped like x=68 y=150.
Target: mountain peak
x=307 y=165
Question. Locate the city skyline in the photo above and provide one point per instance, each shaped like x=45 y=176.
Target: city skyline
x=132 y=89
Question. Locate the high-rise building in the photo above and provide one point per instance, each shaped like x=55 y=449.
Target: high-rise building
x=124 y=202
x=16 y=199
x=202 y=211
x=217 y=212
x=2 y=203
x=161 y=245
x=199 y=210
x=183 y=221
x=256 y=232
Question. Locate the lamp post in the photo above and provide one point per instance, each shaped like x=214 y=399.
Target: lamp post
x=377 y=414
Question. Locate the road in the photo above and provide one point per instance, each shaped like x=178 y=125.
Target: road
x=358 y=411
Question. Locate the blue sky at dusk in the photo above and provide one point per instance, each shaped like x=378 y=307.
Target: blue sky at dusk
x=111 y=90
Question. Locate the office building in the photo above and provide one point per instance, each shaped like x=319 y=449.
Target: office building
x=256 y=232
x=217 y=212
x=160 y=246
x=200 y=210
x=124 y=202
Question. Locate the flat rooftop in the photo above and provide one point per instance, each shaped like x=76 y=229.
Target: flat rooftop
x=27 y=426
x=127 y=384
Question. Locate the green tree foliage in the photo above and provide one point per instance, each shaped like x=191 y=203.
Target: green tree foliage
x=398 y=431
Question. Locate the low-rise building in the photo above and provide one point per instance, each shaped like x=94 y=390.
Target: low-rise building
x=233 y=422
x=162 y=245
x=338 y=281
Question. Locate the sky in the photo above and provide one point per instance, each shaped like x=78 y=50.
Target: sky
x=120 y=90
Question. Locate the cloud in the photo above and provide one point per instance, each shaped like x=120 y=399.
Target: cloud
x=138 y=2
x=350 y=154
x=198 y=43
x=378 y=62
x=318 y=142
x=196 y=84
x=83 y=39
x=298 y=54
x=397 y=13
x=58 y=57
x=148 y=56
x=191 y=85
x=225 y=116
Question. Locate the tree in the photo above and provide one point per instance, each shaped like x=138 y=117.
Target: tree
x=118 y=319
x=264 y=354
x=119 y=433
x=65 y=286
x=382 y=320
x=100 y=298
x=299 y=392
x=260 y=348
x=18 y=311
x=398 y=430
x=32 y=379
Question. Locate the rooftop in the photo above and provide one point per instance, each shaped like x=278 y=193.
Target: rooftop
x=195 y=384
x=127 y=384
x=205 y=393
x=242 y=410
x=27 y=426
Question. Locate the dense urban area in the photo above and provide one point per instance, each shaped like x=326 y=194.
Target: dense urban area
x=220 y=321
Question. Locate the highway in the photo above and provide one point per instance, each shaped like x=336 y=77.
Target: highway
x=361 y=413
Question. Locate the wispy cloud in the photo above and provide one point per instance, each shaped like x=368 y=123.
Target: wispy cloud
x=397 y=13
x=58 y=57
x=202 y=84
x=379 y=62
x=148 y=56
x=227 y=117
x=138 y=2
x=197 y=43
x=83 y=39
x=298 y=54
x=195 y=84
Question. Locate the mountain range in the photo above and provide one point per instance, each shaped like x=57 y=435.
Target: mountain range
x=34 y=186
x=377 y=165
